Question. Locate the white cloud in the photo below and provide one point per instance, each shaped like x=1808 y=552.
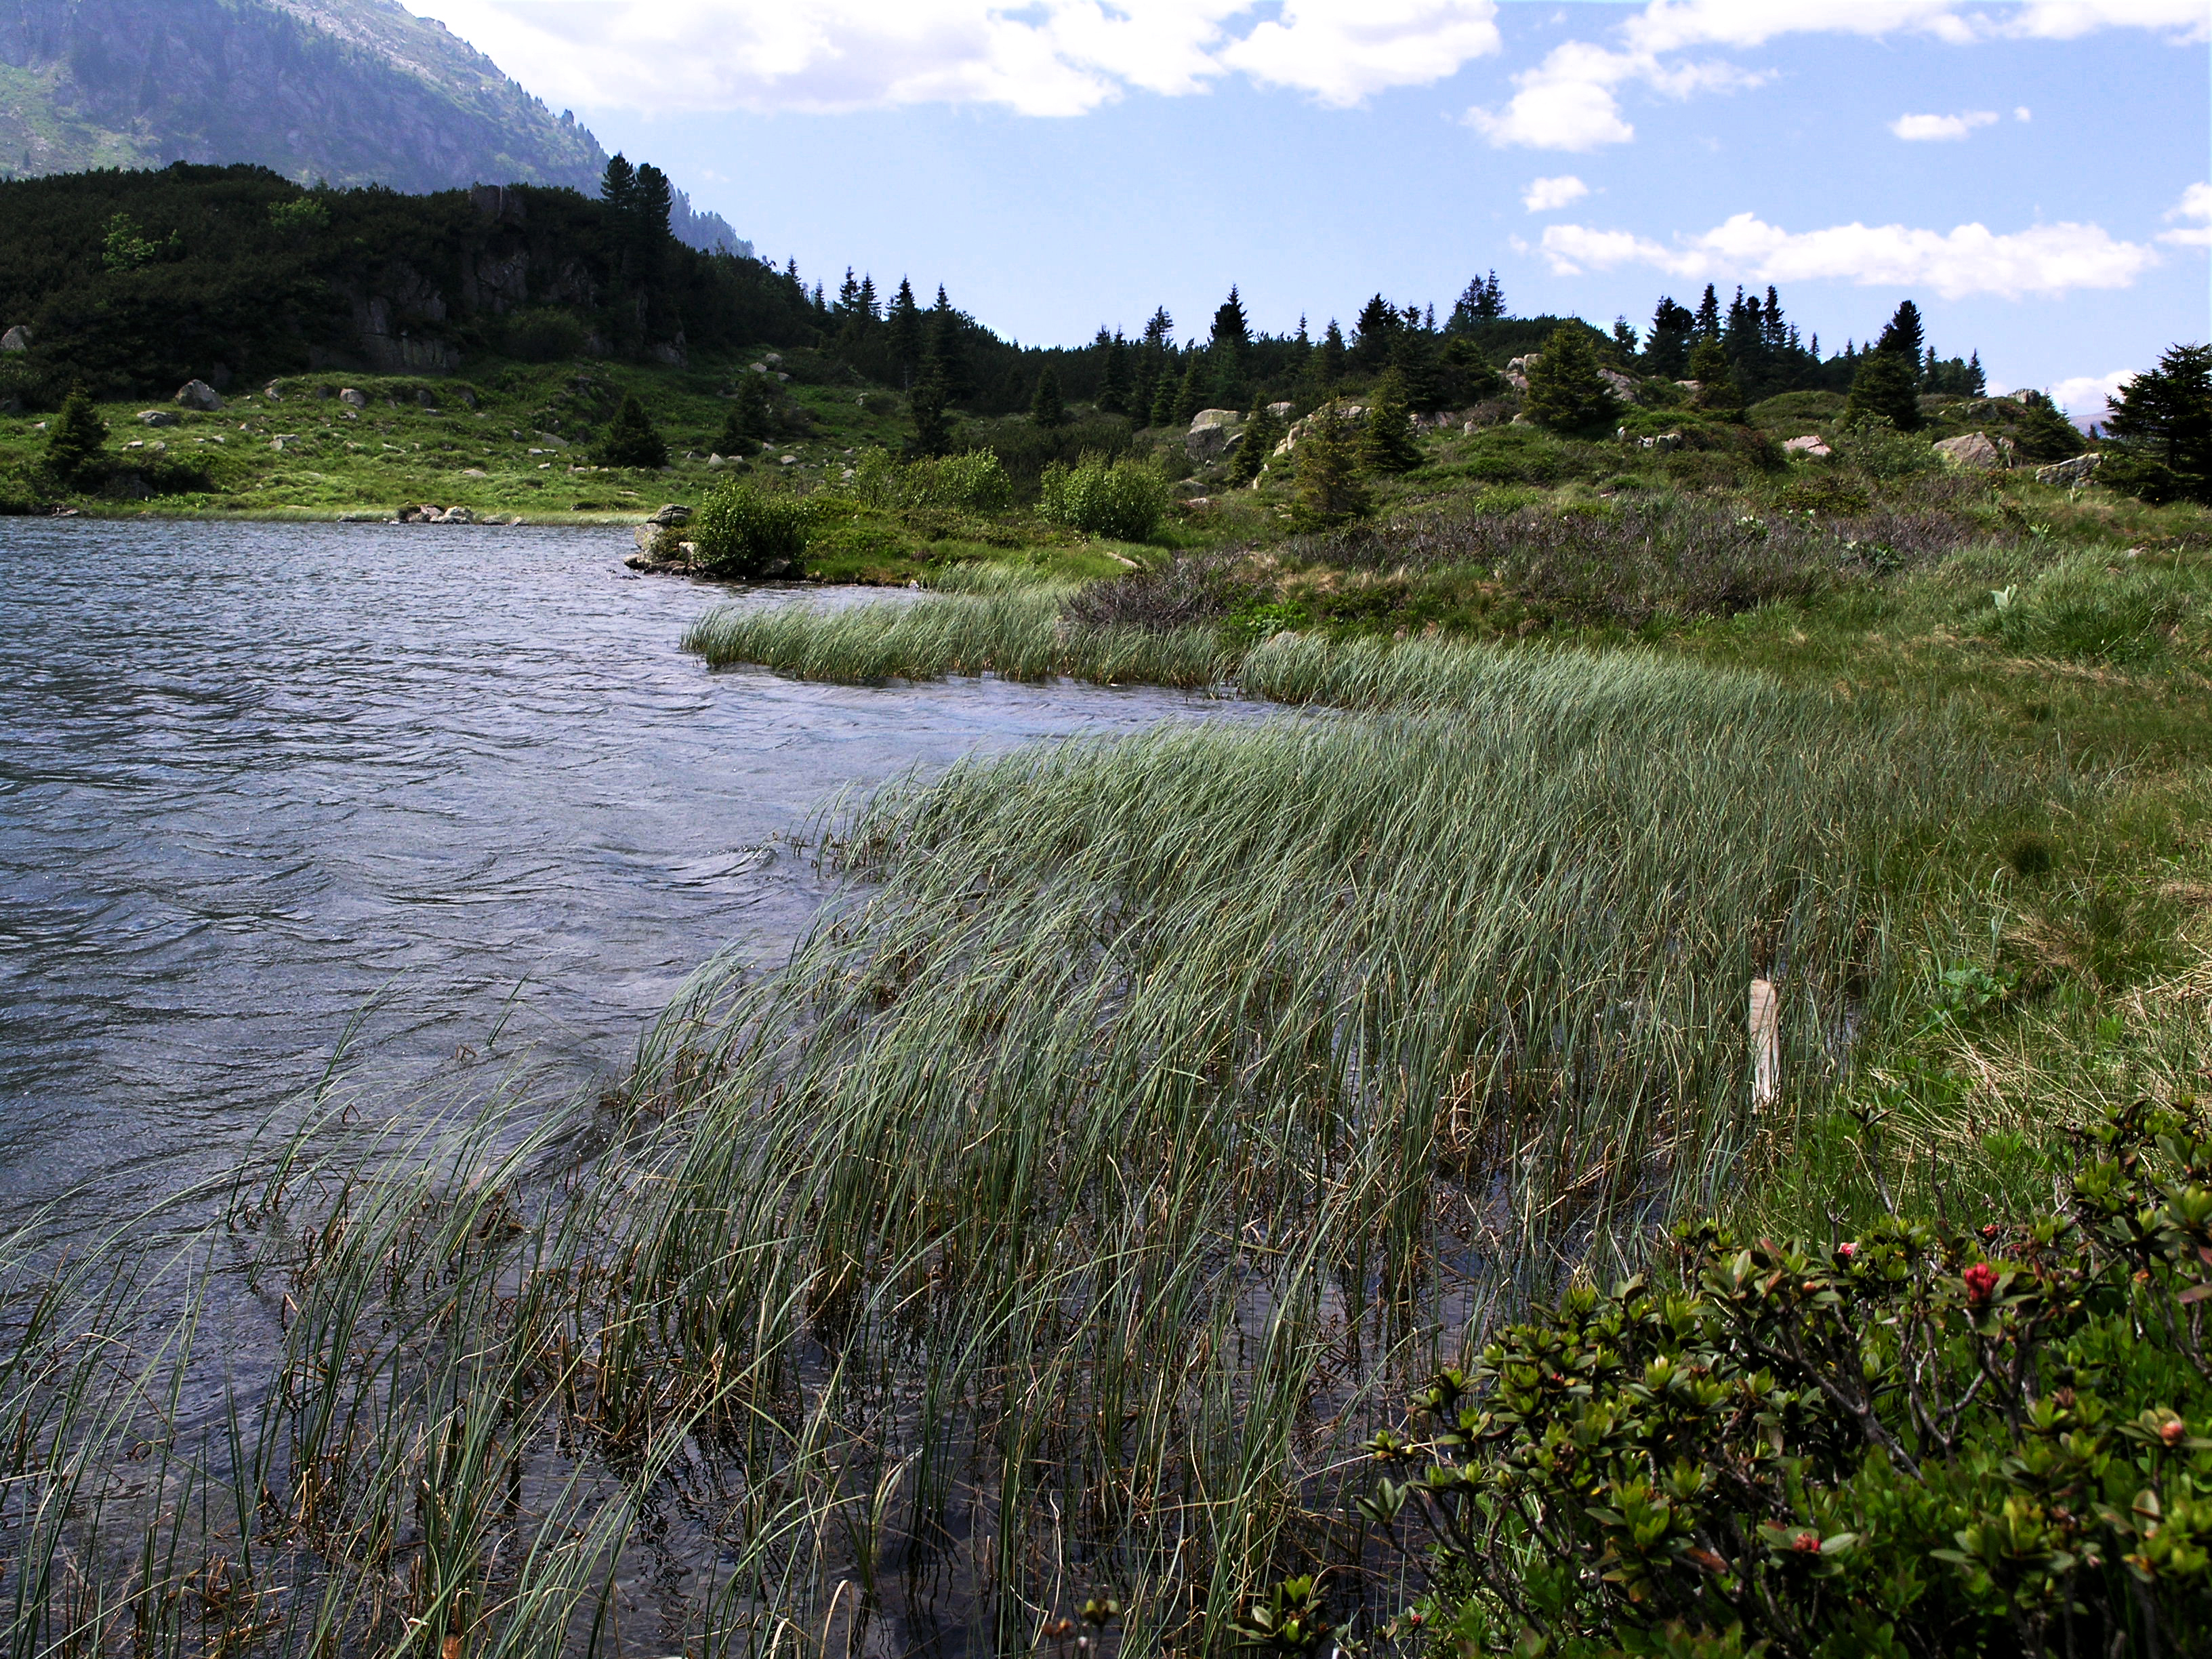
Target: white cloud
x=2195 y=203
x=2084 y=396
x=2022 y=114
x=1920 y=128
x=1043 y=57
x=1549 y=195
x=1342 y=50
x=1572 y=100
x=1971 y=259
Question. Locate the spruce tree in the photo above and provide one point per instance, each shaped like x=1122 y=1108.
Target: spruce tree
x=1329 y=359
x=1146 y=388
x=1379 y=324
x=618 y=188
x=1330 y=492
x=1883 y=390
x=1190 y=396
x=1413 y=361
x=2046 y=434
x=948 y=345
x=1717 y=392
x=1904 y=338
x=1047 y=409
x=1708 y=321
x=1164 y=397
x=1254 y=446
x=2163 y=421
x=630 y=440
x=753 y=415
x=903 y=334
x=73 y=459
x=1565 y=390
x=1113 y=387
x=655 y=201
x=1387 y=444
x=933 y=420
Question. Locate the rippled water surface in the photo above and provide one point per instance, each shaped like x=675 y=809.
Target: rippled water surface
x=262 y=784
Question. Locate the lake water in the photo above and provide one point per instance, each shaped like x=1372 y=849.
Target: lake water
x=265 y=784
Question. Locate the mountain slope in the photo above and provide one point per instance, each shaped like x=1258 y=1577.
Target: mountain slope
x=353 y=91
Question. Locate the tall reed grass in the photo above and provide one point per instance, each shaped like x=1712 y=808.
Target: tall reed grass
x=1152 y=1117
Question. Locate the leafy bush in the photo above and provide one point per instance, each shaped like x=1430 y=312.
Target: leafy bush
x=1123 y=499
x=745 y=530
x=1881 y=451
x=976 y=482
x=1923 y=1441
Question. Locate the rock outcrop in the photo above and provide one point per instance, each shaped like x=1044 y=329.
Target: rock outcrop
x=1811 y=445
x=1213 y=433
x=1974 y=451
x=2069 y=475
x=17 y=338
x=199 y=395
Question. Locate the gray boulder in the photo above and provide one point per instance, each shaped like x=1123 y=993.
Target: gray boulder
x=1972 y=451
x=1213 y=433
x=157 y=417
x=352 y=398
x=673 y=514
x=198 y=394
x=2069 y=475
x=17 y=338
x=1810 y=444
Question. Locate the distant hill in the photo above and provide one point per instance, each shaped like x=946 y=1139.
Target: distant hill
x=355 y=92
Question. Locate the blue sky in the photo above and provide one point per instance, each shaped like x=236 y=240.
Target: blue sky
x=2034 y=174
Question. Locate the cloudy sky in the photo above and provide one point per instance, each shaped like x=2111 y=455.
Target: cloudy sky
x=2033 y=173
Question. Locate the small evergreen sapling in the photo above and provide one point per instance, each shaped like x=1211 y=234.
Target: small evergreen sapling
x=1254 y=446
x=1190 y=396
x=933 y=420
x=631 y=440
x=1047 y=409
x=1884 y=389
x=1386 y=444
x=1717 y=391
x=2046 y=434
x=73 y=459
x=1330 y=492
x=2163 y=419
x=1565 y=390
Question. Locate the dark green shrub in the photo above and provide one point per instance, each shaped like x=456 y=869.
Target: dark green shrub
x=631 y=440
x=745 y=532
x=1884 y=389
x=1565 y=390
x=543 y=335
x=1925 y=1440
x=74 y=459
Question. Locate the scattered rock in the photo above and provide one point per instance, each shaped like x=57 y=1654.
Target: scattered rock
x=774 y=360
x=2069 y=475
x=474 y=472
x=284 y=440
x=675 y=513
x=1213 y=433
x=157 y=417
x=352 y=398
x=198 y=394
x=17 y=338
x=1810 y=444
x=1351 y=414
x=789 y=460
x=1281 y=411
x=1972 y=451
x=274 y=392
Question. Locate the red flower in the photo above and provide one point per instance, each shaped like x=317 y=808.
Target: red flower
x=1806 y=1543
x=2172 y=1432
x=1981 y=1278
x=1847 y=1249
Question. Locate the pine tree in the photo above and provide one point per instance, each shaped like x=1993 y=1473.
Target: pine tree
x=2162 y=420
x=948 y=347
x=1625 y=343
x=1904 y=338
x=618 y=188
x=1146 y=388
x=1047 y=409
x=733 y=441
x=1379 y=324
x=73 y=459
x=1330 y=360
x=1159 y=330
x=1709 y=316
x=1330 y=492
x=2046 y=434
x=1717 y=392
x=1565 y=390
x=1113 y=384
x=655 y=200
x=1229 y=327
x=1667 y=348
x=903 y=334
x=630 y=440
x=1883 y=390
x=1164 y=396
x=1387 y=444
x=1420 y=376
x=1190 y=396
x=753 y=415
